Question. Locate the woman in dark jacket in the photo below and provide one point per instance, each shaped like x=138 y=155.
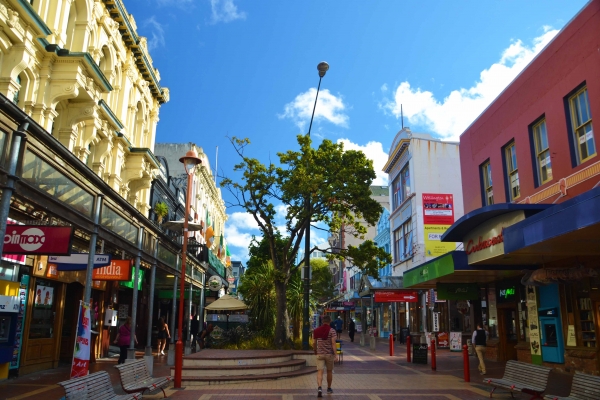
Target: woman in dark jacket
x=351 y=330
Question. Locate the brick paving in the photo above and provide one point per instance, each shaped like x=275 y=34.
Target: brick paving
x=363 y=375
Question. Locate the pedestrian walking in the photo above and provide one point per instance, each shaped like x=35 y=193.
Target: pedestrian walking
x=479 y=340
x=324 y=346
x=123 y=339
x=351 y=329
x=204 y=337
x=163 y=335
x=195 y=327
x=338 y=325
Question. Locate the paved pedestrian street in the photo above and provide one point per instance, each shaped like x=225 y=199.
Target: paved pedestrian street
x=363 y=375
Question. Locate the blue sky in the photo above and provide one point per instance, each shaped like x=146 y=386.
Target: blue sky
x=247 y=68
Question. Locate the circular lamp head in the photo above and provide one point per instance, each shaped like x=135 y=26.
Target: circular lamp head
x=322 y=67
x=190 y=160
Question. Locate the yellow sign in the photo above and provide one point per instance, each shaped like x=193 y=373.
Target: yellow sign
x=571 y=340
x=433 y=246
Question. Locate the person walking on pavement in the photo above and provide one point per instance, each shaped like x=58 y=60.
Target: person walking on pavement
x=195 y=327
x=324 y=345
x=163 y=335
x=351 y=329
x=479 y=340
x=123 y=338
x=338 y=325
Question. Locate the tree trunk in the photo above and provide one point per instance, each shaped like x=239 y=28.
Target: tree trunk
x=282 y=321
x=297 y=323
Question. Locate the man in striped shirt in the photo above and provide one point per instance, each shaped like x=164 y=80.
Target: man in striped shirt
x=324 y=346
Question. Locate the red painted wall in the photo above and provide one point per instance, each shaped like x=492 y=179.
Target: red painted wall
x=570 y=59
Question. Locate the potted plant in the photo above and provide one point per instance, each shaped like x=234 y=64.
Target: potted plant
x=161 y=209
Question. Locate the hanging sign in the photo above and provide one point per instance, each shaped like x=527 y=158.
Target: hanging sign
x=38 y=239
x=388 y=296
x=78 y=261
x=215 y=283
x=534 y=330
x=118 y=270
x=81 y=352
x=436 y=322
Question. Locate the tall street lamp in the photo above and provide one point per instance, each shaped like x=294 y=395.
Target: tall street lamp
x=322 y=68
x=190 y=161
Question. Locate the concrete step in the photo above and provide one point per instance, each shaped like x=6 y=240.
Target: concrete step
x=217 y=380
x=238 y=370
x=197 y=360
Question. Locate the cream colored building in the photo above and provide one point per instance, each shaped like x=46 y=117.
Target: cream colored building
x=80 y=71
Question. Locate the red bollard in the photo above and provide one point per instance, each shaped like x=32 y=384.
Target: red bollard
x=408 y=349
x=433 y=360
x=466 y=363
x=391 y=345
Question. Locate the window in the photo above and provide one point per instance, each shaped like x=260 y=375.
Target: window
x=488 y=190
x=403 y=242
x=16 y=96
x=542 y=152
x=401 y=187
x=512 y=171
x=581 y=122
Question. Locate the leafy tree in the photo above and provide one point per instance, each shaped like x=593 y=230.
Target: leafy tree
x=256 y=286
x=336 y=186
x=321 y=282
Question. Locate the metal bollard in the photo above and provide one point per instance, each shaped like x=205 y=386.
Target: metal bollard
x=408 y=348
x=466 y=363
x=391 y=345
x=433 y=360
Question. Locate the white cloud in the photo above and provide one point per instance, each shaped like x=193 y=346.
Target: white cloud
x=449 y=117
x=329 y=107
x=224 y=11
x=242 y=220
x=373 y=151
x=157 y=38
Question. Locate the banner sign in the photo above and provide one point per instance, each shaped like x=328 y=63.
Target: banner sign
x=118 y=270
x=534 y=324
x=78 y=261
x=436 y=322
x=13 y=258
x=388 y=296
x=81 y=353
x=438 y=209
x=38 y=239
x=434 y=246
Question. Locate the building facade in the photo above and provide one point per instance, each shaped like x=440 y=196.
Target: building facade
x=530 y=234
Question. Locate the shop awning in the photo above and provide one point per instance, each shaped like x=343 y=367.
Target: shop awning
x=470 y=221
x=454 y=268
x=368 y=284
x=568 y=229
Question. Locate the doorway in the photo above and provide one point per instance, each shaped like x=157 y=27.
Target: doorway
x=71 y=314
x=508 y=328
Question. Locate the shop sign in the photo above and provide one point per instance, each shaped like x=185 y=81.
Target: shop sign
x=215 y=283
x=455 y=341
x=487 y=240
x=443 y=342
x=388 y=296
x=419 y=355
x=434 y=269
x=78 y=261
x=13 y=258
x=118 y=270
x=550 y=312
x=457 y=291
x=9 y=304
x=438 y=209
x=436 y=322
x=507 y=294
x=571 y=339
x=129 y=283
x=36 y=239
x=434 y=247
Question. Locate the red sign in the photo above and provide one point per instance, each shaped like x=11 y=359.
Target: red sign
x=388 y=296
x=438 y=209
x=14 y=258
x=484 y=244
x=118 y=270
x=36 y=239
x=443 y=342
x=231 y=279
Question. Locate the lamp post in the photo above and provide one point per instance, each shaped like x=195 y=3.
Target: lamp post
x=322 y=68
x=190 y=161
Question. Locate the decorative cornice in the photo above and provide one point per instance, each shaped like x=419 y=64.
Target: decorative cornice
x=109 y=113
x=395 y=155
x=35 y=18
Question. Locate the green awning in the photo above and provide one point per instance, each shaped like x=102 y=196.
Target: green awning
x=441 y=266
x=457 y=291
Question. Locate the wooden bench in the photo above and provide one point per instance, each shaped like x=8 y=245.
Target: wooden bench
x=135 y=378
x=584 y=387
x=522 y=377
x=94 y=386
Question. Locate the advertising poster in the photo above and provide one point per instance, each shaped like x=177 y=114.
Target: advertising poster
x=81 y=353
x=438 y=209
x=43 y=296
x=455 y=341
x=534 y=326
x=442 y=340
x=434 y=247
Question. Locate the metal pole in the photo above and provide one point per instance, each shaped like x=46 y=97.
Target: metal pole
x=136 y=277
x=151 y=300
x=179 y=344
x=87 y=296
x=18 y=137
x=201 y=311
x=174 y=306
x=189 y=314
x=306 y=277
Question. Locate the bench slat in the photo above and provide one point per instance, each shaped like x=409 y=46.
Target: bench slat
x=135 y=377
x=96 y=386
